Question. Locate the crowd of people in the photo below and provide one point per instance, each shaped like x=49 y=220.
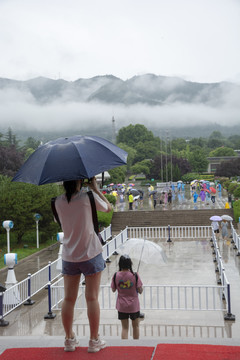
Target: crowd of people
x=202 y=193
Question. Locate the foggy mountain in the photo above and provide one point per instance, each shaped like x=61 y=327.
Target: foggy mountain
x=144 y=89
x=47 y=108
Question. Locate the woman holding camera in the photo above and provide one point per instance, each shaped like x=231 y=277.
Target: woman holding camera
x=81 y=254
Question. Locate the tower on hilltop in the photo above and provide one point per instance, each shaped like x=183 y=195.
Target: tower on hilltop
x=113 y=131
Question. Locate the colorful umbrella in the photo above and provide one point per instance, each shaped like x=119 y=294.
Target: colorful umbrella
x=213 y=190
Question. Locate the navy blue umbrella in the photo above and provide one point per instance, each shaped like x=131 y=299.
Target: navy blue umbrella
x=70 y=158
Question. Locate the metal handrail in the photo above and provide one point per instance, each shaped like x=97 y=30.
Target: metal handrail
x=22 y=292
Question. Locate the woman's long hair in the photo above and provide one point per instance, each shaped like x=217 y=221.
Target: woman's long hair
x=70 y=188
x=125 y=262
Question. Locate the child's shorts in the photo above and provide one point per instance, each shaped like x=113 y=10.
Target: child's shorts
x=132 y=316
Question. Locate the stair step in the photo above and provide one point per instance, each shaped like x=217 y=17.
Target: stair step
x=164 y=218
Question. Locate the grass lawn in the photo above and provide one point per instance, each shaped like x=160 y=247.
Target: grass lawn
x=23 y=252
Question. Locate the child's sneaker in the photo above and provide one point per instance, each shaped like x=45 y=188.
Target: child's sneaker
x=96 y=345
x=70 y=344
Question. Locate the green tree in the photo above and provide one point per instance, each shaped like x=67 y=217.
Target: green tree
x=198 y=142
x=10 y=138
x=131 y=154
x=142 y=167
x=28 y=152
x=176 y=171
x=234 y=142
x=232 y=187
x=118 y=174
x=236 y=192
x=133 y=134
x=178 y=144
x=198 y=160
x=147 y=150
x=19 y=202
x=216 y=139
x=31 y=143
x=229 y=168
x=222 y=151
x=10 y=159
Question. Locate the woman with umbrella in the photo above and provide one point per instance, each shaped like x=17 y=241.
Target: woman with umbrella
x=82 y=254
x=215 y=224
x=224 y=227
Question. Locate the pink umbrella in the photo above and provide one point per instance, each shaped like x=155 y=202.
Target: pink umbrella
x=213 y=190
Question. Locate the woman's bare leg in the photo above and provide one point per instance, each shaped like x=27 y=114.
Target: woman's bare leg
x=125 y=327
x=71 y=285
x=93 y=309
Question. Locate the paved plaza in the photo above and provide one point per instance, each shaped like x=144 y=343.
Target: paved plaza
x=188 y=261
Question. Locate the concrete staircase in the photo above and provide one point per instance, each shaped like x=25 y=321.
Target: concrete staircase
x=163 y=218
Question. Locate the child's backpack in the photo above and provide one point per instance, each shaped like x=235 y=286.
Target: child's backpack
x=114 y=279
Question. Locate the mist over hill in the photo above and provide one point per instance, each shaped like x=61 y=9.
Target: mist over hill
x=47 y=108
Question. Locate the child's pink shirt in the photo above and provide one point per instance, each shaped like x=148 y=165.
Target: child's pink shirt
x=127 y=299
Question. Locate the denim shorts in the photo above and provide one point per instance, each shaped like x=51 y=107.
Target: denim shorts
x=88 y=267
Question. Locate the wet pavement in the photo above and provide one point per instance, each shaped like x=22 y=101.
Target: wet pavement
x=188 y=262
x=181 y=200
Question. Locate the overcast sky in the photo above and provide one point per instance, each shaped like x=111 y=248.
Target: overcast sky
x=198 y=40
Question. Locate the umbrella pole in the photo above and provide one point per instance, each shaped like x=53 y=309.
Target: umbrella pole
x=102 y=179
x=140 y=256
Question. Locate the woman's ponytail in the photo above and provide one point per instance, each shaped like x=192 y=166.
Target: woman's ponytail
x=70 y=188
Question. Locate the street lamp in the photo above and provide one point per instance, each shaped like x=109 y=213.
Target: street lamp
x=8 y=224
x=37 y=217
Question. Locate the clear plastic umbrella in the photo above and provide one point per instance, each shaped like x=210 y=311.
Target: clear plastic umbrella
x=216 y=218
x=227 y=217
x=143 y=250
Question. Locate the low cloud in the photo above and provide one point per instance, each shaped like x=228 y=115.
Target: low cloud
x=21 y=111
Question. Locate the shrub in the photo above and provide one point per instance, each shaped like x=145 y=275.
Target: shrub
x=226 y=184
x=111 y=199
x=104 y=219
x=236 y=192
x=236 y=210
x=232 y=187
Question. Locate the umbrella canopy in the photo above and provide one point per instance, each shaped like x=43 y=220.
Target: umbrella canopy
x=72 y=158
x=193 y=182
x=143 y=250
x=213 y=190
x=134 y=192
x=216 y=218
x=227 y=217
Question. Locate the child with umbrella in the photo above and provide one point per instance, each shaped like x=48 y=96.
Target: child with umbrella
x=129 y=285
